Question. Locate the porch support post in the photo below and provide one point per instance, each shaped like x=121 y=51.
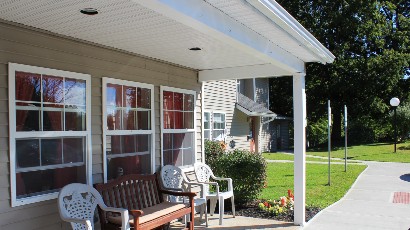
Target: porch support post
x=299 y=111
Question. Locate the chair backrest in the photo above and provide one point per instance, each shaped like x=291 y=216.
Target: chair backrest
x=78 y=201
x=203 y=172
x=172 y=178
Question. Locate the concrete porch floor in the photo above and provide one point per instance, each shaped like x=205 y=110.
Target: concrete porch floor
x=239 y=222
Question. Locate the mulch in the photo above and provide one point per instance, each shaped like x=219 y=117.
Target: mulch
x=252 y=210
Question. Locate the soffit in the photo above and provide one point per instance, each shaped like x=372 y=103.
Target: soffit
x=129 y=26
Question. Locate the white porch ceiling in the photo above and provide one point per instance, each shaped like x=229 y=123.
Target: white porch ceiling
x=166 y=29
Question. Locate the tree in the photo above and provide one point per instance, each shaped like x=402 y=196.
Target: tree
x=370 y=40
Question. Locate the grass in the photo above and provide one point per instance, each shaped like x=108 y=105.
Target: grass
x=289 y=157
x=383 y=152
x=318 y=193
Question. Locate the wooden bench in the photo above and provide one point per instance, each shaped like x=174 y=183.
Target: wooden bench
x=144 y=199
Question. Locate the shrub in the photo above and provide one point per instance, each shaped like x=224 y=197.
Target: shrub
x=247 y=170
x=213 y=149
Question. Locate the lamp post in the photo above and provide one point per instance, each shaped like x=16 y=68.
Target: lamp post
x=394 y=102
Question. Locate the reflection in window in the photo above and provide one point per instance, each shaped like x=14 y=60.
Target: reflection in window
x=128 y=133
x=47 y=152
x=178 y=132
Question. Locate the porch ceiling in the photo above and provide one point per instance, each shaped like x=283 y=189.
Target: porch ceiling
x=231 y=33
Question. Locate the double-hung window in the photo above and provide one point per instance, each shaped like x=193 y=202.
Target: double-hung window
x=128 y=127
x=214 y=126
x=178 y=126
x=50 y=131
x=218 y=128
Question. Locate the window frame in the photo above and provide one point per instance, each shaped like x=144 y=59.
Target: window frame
x=106 y=132
x=164 y=131
x=210 y=125
x=14 y=134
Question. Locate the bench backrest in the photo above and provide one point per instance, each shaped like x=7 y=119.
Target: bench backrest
x=132 y=192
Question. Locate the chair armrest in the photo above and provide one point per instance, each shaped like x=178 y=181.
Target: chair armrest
x=79 y=221
x=125 y=218
x=230 y=186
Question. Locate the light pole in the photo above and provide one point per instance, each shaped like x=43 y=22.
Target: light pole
x=395 y=102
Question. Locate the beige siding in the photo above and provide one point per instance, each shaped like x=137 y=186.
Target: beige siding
x=262 y=97
x=220 y=96
x=31 y=47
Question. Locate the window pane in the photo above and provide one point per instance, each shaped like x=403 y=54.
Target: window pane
x=167 y=141
x=217 y=117
x=207 y=134
x=177 y=140
x=28 y=117
x=188 y=156
x=73 y=150
x=177 y=157
x=52 y=117
x=218 y=135
x=143 y=143
x=75 y=118
x=114 y=95
x=75 y=92
x=28 y=87
x=179 y=120
x=144 y=98
x=46 y=181
x=188 y=120
x=168 y=100
x=27 y=153
x=144 y=120
x=130 y=97
x=178 y=101
x=53 y=89
x=189 y=102
x=128 y=165
x=167 y=155
x=129 y=120
x=113 y=145
x=168 y=120
x=128 y=144
x=51 y=152
x=113 y=118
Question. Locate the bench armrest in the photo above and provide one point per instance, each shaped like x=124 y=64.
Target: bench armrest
x=176 y=193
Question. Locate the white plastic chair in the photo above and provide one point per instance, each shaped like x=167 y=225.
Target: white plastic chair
x=174 y=178
x=77 y=203
x=203 y=174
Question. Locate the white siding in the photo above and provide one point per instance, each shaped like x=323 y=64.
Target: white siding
x=262 y=97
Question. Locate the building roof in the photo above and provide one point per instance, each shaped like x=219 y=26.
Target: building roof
x=252 y=108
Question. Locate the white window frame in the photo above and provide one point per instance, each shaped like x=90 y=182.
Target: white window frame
x=164 y=131
x=210 y=125
x=107 y=132
x=13 y=67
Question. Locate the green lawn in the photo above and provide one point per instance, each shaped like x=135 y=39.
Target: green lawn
x=371 y=152
x=283 y=156
x=318 y=193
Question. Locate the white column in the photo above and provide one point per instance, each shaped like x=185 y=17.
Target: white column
x=299 y=117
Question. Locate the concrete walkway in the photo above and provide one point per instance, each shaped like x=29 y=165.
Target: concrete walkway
x=368 y=204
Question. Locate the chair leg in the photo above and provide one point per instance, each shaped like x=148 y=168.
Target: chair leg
x=233 y=206
x=212 y=206
x=206 y=215
x=221 y=209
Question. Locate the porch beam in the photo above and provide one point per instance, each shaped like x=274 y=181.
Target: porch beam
x=299 y=111
x=243 y=72
x=203 y=17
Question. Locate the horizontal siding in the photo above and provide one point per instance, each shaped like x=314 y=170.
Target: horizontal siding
x=262 y=97
x=30 y=47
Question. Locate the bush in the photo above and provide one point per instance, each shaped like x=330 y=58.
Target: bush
x=247 y=170
x=213 y=149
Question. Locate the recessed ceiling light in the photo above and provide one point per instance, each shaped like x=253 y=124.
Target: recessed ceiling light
x=89 y=11
x=195 y=49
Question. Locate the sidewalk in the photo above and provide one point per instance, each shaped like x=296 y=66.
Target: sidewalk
x=368 y=204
